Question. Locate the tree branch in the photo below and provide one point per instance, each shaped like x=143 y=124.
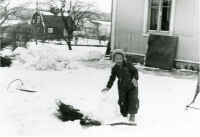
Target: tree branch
x=16 y=11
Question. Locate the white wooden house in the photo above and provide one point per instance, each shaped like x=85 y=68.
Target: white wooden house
x=134 y=20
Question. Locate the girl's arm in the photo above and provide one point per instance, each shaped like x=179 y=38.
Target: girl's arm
x=112 y=79
x=134 y=71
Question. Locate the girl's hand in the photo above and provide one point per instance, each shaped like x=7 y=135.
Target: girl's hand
x=134 y=81
x=105 y=89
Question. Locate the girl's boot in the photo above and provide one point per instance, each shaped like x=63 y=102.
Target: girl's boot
x=132 y=118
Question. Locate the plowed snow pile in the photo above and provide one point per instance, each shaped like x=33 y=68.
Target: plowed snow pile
x=46 y=58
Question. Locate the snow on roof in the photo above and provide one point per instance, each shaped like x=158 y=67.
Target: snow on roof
x=65 y=14
x=46 y=13
x=50 y=13
x=102 y=22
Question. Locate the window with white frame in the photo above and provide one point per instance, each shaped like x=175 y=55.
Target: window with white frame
x=159 y=16
x=38 y=19
x=50 y=30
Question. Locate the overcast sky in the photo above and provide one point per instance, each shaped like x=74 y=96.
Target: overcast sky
x=103 y=5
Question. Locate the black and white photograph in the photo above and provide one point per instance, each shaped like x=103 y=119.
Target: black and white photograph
x=99 y=68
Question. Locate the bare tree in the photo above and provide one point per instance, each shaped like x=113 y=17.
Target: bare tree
x=19 y=35
x=77 y=11
x=78 y=35
x=10 y=8
x=104 y=34
x=98 y=30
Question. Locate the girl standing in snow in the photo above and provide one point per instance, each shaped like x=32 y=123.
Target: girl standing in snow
x=127 y=76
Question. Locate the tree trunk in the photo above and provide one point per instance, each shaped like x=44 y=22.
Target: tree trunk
x=69 y=43
x=36 y=41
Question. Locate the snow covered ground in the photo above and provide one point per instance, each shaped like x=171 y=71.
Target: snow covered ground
x=83 y=41
x=162 y=98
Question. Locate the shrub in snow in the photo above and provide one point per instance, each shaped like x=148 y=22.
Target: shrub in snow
x=108 y=108
x=19 y=34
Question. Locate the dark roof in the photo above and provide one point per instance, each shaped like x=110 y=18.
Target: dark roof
x=53 y=21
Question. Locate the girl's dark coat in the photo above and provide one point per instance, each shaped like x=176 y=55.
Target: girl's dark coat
x=128 y=93
x=124 y=74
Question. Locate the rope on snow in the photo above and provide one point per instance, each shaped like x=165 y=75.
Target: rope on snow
x=13 y=81
x=18 y=88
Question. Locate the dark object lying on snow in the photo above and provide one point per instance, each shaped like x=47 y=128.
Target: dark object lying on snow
x=69 y=113
x=25 y=90
x=87 y=121
x=5 y=62
x=123 y=123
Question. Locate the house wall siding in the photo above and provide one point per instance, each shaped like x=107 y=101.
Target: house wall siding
x=129 y=25
x=129 y=28
x=186 y=26
x=56 y=33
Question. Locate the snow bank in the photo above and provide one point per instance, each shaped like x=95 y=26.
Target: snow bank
x=39 y=58
x=43 y=57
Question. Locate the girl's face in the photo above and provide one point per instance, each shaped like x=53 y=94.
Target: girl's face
x=118 y=59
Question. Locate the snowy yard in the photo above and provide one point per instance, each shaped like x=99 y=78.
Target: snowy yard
x=162 y=98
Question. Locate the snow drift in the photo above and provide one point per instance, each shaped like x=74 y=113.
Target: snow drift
x=43 y=57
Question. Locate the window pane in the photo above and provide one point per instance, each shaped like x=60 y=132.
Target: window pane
x=167 y=2
x=154 y=2
x=166 y=11
x=50 y=30
x=153 y=18
x=170 y=3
